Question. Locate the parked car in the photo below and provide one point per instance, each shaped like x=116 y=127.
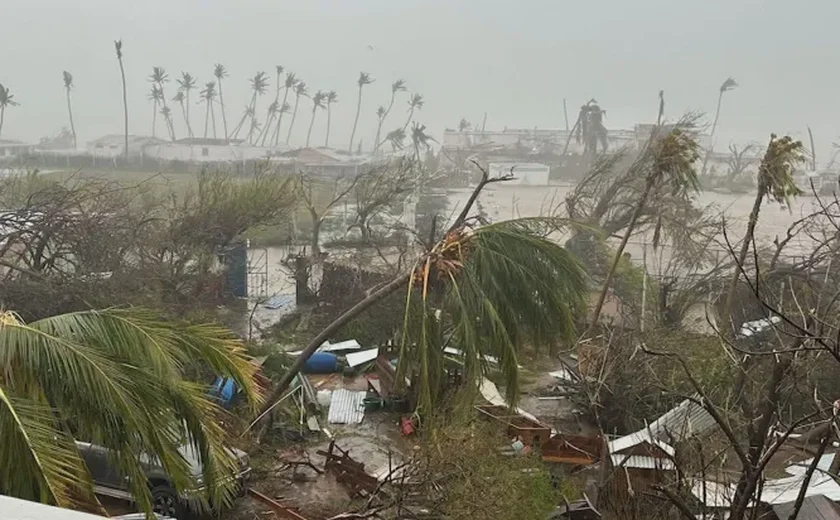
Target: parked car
x=166 y=500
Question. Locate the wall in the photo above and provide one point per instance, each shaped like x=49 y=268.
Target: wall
x=205 y=153
x=525 y=174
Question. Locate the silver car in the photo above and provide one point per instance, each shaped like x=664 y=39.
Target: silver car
x=166 y=500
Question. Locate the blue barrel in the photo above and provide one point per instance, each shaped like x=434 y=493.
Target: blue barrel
x=321 y=363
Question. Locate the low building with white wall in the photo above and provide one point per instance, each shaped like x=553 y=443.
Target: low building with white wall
x=13 y=149
x=524 y=173
x=197 y=149
x=113 y=145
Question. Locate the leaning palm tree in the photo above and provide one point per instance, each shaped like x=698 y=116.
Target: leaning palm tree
x=208 y=96
x=118 y=47
x=420 y=139
x=7 y=99
x=186 y=83
x=259 y=83
x=726 y=86
x=68 y=86
x=160 y=77
x=220 y=73
x=775 y=181
x=665 y=159
x=396 y=138
x=397 y=86
x=155 y=96
x=381 y=112
x=249 y=113
x=486 y=291
x=364 y=79
x=317 y=102
x=273 y=108
x=180 y=98
x=300 y=90
x=332 y=97
x=288 y=84
x=415 y=103
x=120 y=379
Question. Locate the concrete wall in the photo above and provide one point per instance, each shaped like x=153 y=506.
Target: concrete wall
x=205 y=152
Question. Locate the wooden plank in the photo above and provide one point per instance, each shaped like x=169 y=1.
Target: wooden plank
x=277 y=507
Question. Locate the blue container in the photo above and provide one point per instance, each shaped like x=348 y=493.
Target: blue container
x=321 y=363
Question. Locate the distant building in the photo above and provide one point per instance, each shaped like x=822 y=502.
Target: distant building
x=13 y=149
x=524 y=173
x=113 y=145
x=324 y=161
x=198 y=149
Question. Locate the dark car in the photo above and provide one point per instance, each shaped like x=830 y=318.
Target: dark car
x=108 y=482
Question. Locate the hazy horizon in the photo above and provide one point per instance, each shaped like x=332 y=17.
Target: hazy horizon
x=514 y=62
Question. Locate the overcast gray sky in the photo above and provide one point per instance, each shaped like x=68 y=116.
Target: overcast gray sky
x=515 y=60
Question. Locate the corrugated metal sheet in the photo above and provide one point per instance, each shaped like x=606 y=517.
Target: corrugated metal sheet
x=682 y=422
x=641 y=462
x=346 y=407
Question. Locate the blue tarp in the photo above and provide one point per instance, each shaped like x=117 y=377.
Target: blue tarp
x=224 y=389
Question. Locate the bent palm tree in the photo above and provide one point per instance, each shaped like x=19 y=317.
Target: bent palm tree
x=6 y=100
x=317 y=102
x=396 y=138
x=420 y=139
x=300 y=90
x=332 y=97
x=155 y=96
x=775 y=181
x=76 y=376
x=159 y=77
x=726 y=86
x=364 y=79
x=397 y=86
x=415 y=103
x=381 y=112
x=208 y=96
x=118 y=47
x=220 y=73
x=486 y=291
x=259 y=83
x=186 y=83
x=68 y=85
x=273 y=108
x=179 y=98
x=288 y=84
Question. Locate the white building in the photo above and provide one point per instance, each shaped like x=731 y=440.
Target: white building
x=197 y=149
x=524 y=173
x=10 y=148
x=113 y=145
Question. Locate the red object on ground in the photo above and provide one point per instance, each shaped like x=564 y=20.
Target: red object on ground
x=406 y=426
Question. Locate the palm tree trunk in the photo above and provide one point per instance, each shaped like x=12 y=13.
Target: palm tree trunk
x=184 y=115
x=408 y=121
x=222 y=103
x=2 y=117
x=355 y=121
x=239 y=126
x=329 y=121
x=726 y=319
x=378 y=135
x=213 y=119
x=311 y=122
x=206 y=119
x=70 y=113
x=280 y=117
x=125 y=105
x=712 y=134
x=265 y=131
x=187 y=117
x=292 y=123
x=154 y=119
x=596 y=314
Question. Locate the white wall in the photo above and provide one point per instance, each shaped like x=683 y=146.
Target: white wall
x=525 y=174
x=205 y=153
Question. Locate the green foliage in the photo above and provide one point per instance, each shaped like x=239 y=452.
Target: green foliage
x=119 y=379
x=775 y=175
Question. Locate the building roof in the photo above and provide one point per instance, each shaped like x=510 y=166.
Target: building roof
x=321 y=155
x=816 y=507
x=642 y=462
x=12 y=143
x=209 y=141
x=120 y=139
x=634 y=439
x=682 y=422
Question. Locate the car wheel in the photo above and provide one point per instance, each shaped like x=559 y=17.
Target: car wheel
x=165 y=501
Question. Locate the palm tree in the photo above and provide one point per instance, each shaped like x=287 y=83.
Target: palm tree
x=68 y=85
x=186 y=83
x=397 y=86
x=420 y=139
x=249 y=113
x=364 y=79
x=159 y=77
x=464 y=125
x=484 y=290
x=118 y=47
x=415 y=103
x=300 y=90
x=775 y=181
x=208 y=96
x=273 y=108
x=155 y=95
x=289 y=83
x=332 y=97
x=667 y=159
x=726 y=86
x=6 y=100
x=76 y=376
x=220 y=73
x=381 y=112
x=179 y=98
x=396 y=138
x=259 y=83
x=317 y=102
